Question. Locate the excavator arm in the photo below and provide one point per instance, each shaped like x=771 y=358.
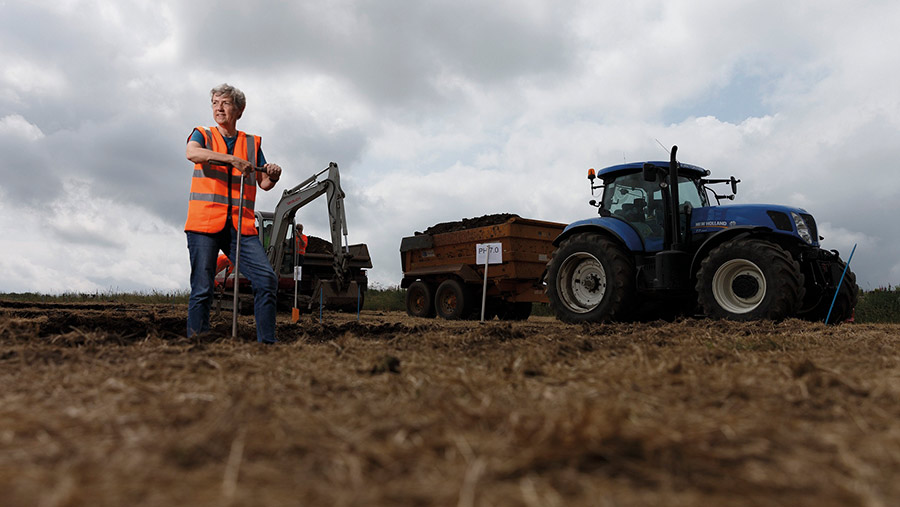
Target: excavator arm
x=295 y=198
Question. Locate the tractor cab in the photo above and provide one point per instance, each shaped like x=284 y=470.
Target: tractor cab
x=632 y=194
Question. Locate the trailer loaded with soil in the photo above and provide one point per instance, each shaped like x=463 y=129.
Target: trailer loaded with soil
x=442 y=277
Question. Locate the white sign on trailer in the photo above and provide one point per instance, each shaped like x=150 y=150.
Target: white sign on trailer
x=489 y=253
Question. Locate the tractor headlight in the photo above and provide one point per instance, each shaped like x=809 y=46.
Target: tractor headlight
x=802 y=228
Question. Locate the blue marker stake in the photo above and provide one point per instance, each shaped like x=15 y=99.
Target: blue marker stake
x=838 y=289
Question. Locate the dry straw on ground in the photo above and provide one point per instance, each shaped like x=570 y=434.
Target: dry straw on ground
x=110 y=405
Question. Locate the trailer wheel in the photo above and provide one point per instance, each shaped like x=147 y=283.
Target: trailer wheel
x=749 y=279
x=493 y=308
x=515 y=311
x=450 y=300
x=521 y=310
x=420 y=299
x=591 y=279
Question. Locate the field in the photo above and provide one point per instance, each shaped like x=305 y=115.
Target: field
x=107 y=404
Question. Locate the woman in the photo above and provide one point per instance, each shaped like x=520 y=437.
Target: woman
x=221 y=154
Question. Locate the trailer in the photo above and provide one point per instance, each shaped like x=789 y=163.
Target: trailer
x=442 y=277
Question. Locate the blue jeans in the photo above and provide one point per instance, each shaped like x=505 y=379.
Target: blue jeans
x=204 y=248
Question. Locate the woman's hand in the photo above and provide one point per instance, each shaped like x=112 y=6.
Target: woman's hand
x=242 y=166
x=273 y=171
x=268 y=179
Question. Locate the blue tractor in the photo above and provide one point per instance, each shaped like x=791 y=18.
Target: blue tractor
x=660 y=249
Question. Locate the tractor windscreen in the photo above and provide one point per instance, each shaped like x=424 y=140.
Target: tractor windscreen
x=640 y=202
x=689 y=191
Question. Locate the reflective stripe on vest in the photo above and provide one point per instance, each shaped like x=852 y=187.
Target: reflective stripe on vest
x=221 y=199
x=211 y=197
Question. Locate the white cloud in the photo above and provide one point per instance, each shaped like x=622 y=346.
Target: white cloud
x=14 y=125
x=24 y=77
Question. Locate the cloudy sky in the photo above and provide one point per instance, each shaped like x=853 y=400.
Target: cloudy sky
x=435 y=111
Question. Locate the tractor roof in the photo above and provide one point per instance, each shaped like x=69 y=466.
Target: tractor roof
x=687 y=170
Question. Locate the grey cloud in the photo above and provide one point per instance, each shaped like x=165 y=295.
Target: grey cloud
x=390 y=51
x=121 y=166
x=30 y=176
x=300 y=147
x=94 y=59
x=81 y=236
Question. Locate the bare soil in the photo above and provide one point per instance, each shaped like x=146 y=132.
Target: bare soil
x=318 y=245
x=109 y=405
x=469 y=223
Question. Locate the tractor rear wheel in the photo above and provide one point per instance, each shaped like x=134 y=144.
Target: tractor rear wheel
x=749 y=279
x=590 y=279
x=420 y=299
x=450 y=301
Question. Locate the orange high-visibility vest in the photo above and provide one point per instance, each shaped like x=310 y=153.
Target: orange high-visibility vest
x=302 y=241
x=209 y=200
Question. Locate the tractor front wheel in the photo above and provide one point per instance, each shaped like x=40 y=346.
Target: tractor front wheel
x=843 y=304
x=749 y=279
x=590 y=279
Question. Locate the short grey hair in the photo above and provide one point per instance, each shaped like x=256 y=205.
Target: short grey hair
x=240 y=101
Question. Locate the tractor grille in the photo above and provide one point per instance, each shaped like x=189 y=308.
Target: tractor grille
x=811 y=223
x=781 y=220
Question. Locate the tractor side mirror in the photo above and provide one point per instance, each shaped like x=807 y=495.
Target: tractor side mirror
x=734 y=183
x=650 y=172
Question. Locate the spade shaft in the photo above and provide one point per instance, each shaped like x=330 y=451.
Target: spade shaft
x=237 y=261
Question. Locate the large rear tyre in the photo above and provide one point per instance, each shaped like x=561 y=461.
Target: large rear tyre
x=420 y=299
x=450 y=301
x=749 y=279
x=591 y=279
